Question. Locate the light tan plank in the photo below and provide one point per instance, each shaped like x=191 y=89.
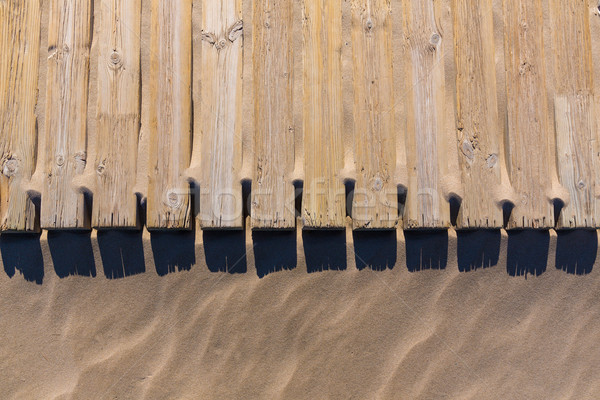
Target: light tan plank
x=528 y=127
x=221 y=114
x=273 y=63
x=375 y=202
x=19 y=65
x=170 y=115
x=574 y=101
x=323 y=200
x=425 y=87
x=478 y=131
x=118 y=113
x=69 y=36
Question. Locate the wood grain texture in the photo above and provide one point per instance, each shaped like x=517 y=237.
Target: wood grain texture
x=375 y=201
x=323 y=199
x=527 y=110
x=118 y=114
x=425 y=87
x=273 y=63
x=221 y=114
x=69 y=36
x=574 y=102
x=170 y=115
x=478 y=130
x=19 y=65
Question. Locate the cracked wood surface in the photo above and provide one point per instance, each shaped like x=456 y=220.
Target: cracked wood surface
x=273 y=64
x=19 y=65
x=375 y=201
x=220 y=81
x=344 y=56
x=478 y=129
x=529 y=130
x=170 y=127
x=118 y=114
x=323 y=197
x=574 y=106
x=69 y=40
x=425 y=87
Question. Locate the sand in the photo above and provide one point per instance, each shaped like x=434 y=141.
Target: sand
x=397 y=332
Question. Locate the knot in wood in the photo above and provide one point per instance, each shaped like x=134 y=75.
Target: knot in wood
x=10 y=167
x=221 y=44
x=492 y=160
x=115 y=59
x=435 y=39
x=524 y=199
x=377 y=184
x=80 y=157
x=173 y=199
x=66 y=48
x=209 y=37
x=524 y=24
x=101 y=168
x=235 y=31
x=525 y=68
x=581 y=185
x=60 y=160
x=368 y=25
x=468 y=150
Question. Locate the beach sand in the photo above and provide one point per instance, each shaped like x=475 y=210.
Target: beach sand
x=396 y=330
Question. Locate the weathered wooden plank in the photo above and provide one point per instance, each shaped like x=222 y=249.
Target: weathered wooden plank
x=118 y=114
x=478 y=129
x=425 y=87
x=221 y=114
x=574 y=102
x=375 y=201
x=69 y=36
x=273 y=63
x=19 y=65
x=527 y=115
x=170 y=115
x=323 y=199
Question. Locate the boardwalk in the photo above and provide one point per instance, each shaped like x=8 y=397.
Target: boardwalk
x=125 y=113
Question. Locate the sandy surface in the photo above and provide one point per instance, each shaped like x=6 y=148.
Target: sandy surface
x=527 y=331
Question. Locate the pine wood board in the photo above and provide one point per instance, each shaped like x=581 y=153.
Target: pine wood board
x=273 y=64
x=375 y=200
x=529 y=130
x=118 y=114
x=478 y=129
x=574 y=105
x=425 y=125
x=221 y=105
x=19 y=66
x=170 y=126
x=69 y=41
x=323 y=196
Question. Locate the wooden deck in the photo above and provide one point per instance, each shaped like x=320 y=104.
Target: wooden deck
x=120 y=113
